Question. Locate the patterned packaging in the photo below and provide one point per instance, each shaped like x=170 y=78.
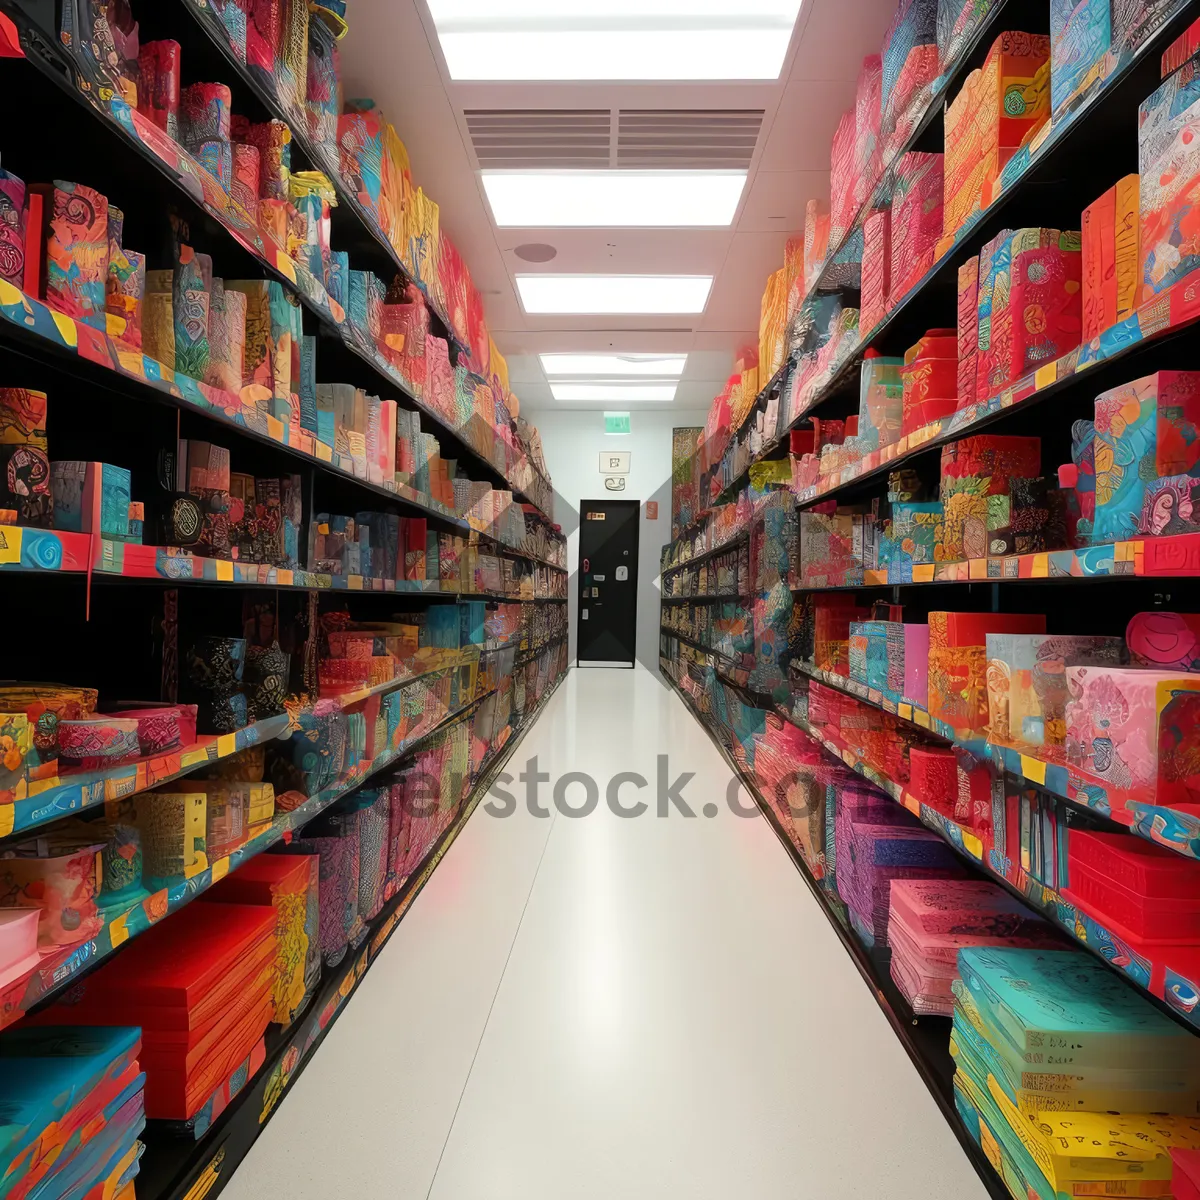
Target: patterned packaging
x=930 y=375
x=226 y=338
x=1135 y=731
x=190 y=298
x=205 y=111
x=998 y=107
x=1169 y=189
x=816 y=240
x=997 y=310
x=1027 y=686
x=24 y=460
x=957 y=20
x=12 y=229
x=360 y=143
x=247 y=176
x=90 y=498
x=77 y=253
x=910 y=63
x=916 y=219
x=1145 y=429
x=843 y=181
x=1080 y=32
x=868 y=114
x=1046 y=304
x=283 y=882
x=125 y=284
x=880 y=402
x=968 y=331
x=958 y=692
x=273 y=141
x=158 y=88
x=876 y=265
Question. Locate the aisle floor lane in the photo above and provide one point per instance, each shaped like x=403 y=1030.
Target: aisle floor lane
x=677 y=1018
x=605 y=1007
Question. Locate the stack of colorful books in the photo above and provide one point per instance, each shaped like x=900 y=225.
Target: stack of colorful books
x=72 y=1110
x=289 y=884
x=875 y=846
x=932 y=920
x=1064 y=1075
x=201 y=986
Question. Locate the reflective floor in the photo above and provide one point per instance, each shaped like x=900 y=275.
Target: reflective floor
x=612 y=1007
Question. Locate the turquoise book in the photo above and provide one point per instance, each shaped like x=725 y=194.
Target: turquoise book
x=1175 y=1090
x=1061 y=1009
x=61 y=1069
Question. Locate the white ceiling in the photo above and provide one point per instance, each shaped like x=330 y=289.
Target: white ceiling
x=392 y=55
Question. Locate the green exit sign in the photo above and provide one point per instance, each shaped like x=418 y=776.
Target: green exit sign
x=616 y=422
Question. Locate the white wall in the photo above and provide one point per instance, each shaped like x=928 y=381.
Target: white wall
x=573 y=442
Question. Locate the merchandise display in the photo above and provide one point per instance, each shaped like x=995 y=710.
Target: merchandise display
x=978 y=748
x=214 y=799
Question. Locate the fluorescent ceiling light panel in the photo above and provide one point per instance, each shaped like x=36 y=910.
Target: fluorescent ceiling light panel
x=615 y=393
x=564 y=199
x=614 y=39
x=612 y=295
x=596 y=366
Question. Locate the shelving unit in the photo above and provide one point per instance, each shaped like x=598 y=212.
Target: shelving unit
x=1050 y=181
x=55 y=82
x=124 y=616
x=746 y=702
x=173 y=1168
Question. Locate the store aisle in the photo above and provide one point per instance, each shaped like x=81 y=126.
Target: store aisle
x=607 y=1007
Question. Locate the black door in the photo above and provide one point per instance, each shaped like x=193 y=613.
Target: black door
x=608 y=583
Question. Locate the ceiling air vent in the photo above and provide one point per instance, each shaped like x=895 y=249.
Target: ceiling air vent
x=687 y=139
x=532 y=139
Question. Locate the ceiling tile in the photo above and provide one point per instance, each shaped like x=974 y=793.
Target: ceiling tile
x=777 y=199
x=802 y=132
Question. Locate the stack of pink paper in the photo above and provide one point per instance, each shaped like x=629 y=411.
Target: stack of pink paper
x=932 y=920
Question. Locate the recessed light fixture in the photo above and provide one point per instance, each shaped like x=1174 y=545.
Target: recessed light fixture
x=606 y=295
x=614 y=39
x=597 y=366
x=615 y=393
x=559 y=199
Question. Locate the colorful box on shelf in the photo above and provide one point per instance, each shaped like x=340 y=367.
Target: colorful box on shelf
x=1154 y=418
x=1134 y=730
x=916 y=222
x=1110 y=263
x=958 y=664
x=999 y=106
x=1169 y=167
x=1027 y=686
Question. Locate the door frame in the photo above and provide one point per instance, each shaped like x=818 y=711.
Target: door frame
x=615 y=664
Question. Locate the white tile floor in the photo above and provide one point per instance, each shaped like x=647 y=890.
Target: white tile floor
x=616 y=1008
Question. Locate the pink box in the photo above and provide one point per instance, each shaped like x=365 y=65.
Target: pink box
x=843 y=181
x=387 y=440
x=867 y=117
x=18 y=943
x=876 y=267
x=916 y=665
x=916 y=219
x=1135 y=731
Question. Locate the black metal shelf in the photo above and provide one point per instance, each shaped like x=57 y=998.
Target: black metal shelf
x=371 y=237
x=733 y=542
x=53 y=76
x=1081 y=156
